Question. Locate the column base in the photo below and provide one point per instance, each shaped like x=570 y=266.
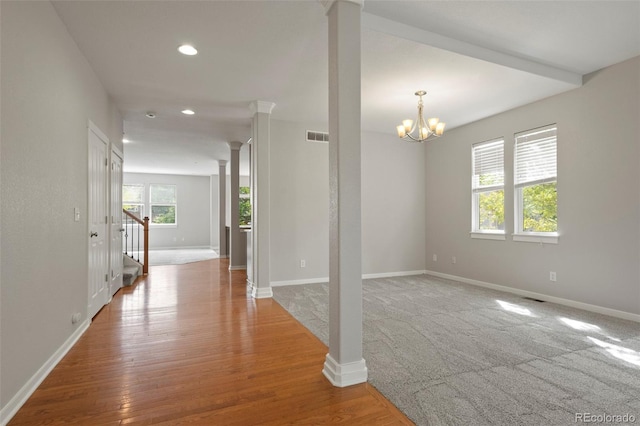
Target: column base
x=259 y=292
x=343 y=375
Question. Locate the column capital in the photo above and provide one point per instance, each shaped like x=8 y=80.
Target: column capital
x=222 y=163
x=235 y=146
x=261 y=106
x=327 y=4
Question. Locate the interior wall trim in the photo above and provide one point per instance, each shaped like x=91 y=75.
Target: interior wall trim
x=559 y=300
x=364 y=277
x=18 y=400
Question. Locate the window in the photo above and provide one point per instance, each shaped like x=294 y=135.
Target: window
x=162 y=201
x=487 y=187
x=133 y=199
x=535 y=179
x=245 y=206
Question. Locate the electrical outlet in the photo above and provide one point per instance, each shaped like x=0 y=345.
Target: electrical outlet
x=435 y=257
x=552 y=276
x=453 y=259
x=303 y=263
x=75 y=318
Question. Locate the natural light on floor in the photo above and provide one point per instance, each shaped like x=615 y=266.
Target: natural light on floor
x=579 y=325
x=625 y=354
x=515 y=308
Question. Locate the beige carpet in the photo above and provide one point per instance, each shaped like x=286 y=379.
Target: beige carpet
x=447 y=353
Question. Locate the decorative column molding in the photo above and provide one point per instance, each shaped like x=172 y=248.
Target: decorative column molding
x=261 y=107
x=222 y=208
x=327 y=4
x=235 y=248
x=344 y=365
x=260 y=280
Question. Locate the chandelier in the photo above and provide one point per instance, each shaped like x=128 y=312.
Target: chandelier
x=432 y=128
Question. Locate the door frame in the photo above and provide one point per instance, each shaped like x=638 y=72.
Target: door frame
x=115 y=281
x=91 y=310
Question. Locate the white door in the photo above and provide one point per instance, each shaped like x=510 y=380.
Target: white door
x=97 y=215
x=115 y=257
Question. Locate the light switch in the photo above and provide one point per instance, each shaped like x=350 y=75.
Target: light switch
x=76 y=214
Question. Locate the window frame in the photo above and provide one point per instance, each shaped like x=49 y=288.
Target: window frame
x=519 y=234
x=139 y=203
x=476 y=190
x=174 y=205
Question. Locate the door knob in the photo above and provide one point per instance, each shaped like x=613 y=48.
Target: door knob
x=94 y=234
x=121 y=229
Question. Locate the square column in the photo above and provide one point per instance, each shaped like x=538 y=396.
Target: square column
x=236 y=250
x=344 y=365
x=260 y=280
x=222 y=208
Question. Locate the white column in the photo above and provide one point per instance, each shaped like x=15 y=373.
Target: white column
x=344 y=365
x=235 y=248
x=222 y=207
x=260 y=186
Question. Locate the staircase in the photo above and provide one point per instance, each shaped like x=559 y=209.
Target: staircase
x=131 y=271
x=135 y=247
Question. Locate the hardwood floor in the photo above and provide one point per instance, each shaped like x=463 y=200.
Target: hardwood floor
x=187 y=345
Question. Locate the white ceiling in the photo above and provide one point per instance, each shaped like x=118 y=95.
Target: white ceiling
x=474 y=58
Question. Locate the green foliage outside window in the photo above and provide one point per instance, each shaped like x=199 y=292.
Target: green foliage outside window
x=491 y=210
x=540 y=208
x=245 y=206
x=491 y=203
x=163 y=214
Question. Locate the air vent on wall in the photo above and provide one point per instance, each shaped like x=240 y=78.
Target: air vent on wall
x=313 y=136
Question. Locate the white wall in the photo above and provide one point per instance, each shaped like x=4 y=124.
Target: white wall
x=598 y=254
x=193 y=212
x=49 y=92
x=392 y=204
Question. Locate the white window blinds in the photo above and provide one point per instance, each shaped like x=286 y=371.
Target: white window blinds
x=488 y=165
x=536 y=156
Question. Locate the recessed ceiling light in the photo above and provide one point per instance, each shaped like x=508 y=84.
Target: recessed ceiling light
x=125 y=140
x=151 y=114
x=188 y=112
x=187 y=49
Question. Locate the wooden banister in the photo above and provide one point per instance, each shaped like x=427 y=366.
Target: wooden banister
x=145 y=226
x=145 y=265
x=134 y=217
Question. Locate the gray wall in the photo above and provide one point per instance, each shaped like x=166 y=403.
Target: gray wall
x=392 y=204
x=193 y=212
x=49 y=93
x=598 y=253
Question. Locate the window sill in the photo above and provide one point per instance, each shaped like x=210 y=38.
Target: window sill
x=546 y=238
x=488 y=235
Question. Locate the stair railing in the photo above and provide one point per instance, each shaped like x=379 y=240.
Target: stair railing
x=133 y=228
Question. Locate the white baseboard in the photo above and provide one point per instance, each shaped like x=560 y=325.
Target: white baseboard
x=237 y=267
x=181 y=248
x=566 y=302
x=393 y=274
x=343 y=375
x=364 y=277
x=18 y=400
x=260 y=292
x=300 y=282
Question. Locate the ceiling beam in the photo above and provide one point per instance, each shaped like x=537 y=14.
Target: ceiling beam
x=398 y=29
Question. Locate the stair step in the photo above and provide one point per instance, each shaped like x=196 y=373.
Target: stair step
x=129 y=275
